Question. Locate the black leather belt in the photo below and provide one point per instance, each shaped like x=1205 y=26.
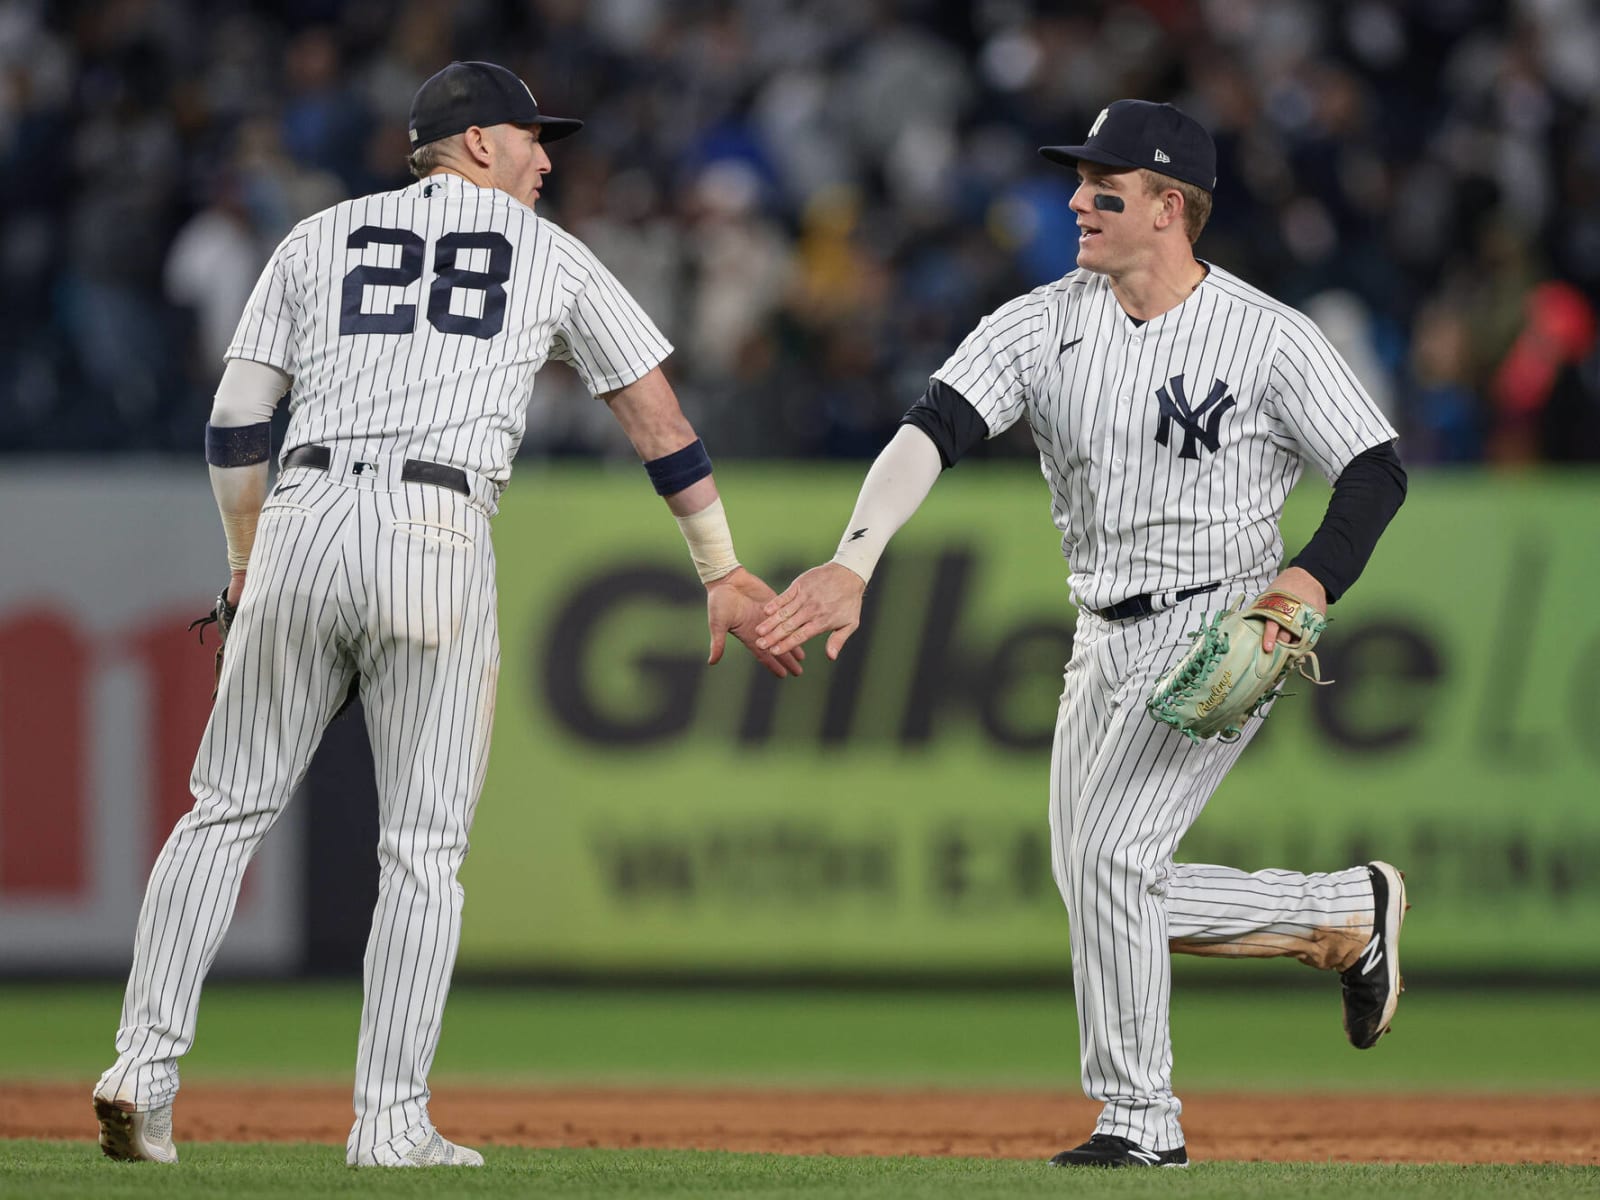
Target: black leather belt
x=1142 y=605
x=415 y=470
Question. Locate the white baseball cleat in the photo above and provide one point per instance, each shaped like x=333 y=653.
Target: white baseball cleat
x=131 y=1136
x=438 y=1151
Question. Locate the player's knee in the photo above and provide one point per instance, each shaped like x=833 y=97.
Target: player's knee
x=1091 y=864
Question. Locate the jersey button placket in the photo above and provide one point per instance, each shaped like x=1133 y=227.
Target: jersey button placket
x=1121 y=436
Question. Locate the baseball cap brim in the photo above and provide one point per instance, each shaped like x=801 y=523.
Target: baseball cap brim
x=553 y=129
x=1070 y=156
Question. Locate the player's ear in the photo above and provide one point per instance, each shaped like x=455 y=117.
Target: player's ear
x=478 y=145
x=1172 y=203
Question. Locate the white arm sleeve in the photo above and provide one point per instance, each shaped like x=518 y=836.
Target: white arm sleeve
x=900 y=480
x=248 y=393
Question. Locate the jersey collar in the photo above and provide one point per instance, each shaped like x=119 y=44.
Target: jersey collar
x=445 y=183
x=1134 y=323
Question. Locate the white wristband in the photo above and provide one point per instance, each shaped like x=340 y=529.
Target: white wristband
x=710 y=542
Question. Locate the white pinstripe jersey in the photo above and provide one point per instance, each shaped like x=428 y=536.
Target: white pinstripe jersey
x=414 y=321
x=1171 y=446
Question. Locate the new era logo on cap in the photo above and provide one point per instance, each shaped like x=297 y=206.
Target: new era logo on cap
x=1161 y=156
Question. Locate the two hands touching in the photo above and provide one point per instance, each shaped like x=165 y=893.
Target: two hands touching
x=826 y=599
x=736 y=604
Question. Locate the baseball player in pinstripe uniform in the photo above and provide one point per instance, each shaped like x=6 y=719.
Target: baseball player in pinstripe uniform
x=1174 y=407
x=409 y=325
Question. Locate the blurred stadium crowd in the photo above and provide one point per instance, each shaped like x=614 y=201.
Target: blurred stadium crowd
x=816 y=199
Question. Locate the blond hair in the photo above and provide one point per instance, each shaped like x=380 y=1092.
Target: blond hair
x=1196 y=201
x=425 y=160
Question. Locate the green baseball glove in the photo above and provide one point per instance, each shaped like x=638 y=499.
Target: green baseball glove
x=1226 y=677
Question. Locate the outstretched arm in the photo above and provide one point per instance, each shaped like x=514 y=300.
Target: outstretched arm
x=827 y=599
x=649 y=414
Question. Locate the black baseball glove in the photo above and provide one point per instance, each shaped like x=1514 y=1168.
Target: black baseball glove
x=222 y=617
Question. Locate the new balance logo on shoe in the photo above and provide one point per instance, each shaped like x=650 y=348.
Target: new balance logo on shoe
x=1145 y=1156
x=1372 y=955
x=1370 y=995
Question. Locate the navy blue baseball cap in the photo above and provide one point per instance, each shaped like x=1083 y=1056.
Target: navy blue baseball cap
x=465 y=94
x=1139 y=133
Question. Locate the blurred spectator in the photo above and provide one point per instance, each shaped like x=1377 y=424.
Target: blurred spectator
x=1559 y=334
x=815 y=198
x=211 y=267
x=1444 y=420
x=1343 y=317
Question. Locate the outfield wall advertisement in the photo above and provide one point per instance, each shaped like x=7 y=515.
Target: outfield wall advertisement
x=103 y=696
x=887 y=812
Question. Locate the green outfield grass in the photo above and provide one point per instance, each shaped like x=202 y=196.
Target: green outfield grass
x=1234 y=1039
x=65 y=1169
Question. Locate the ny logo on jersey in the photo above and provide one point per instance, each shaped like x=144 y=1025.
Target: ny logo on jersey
x=1199 y=423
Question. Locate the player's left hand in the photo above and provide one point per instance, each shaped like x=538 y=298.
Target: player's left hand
x=735 y=604
x=221 y=615
x=826 y=599
x=1302 y=585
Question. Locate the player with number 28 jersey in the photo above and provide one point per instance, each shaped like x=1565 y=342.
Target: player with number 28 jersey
x=450 y=383
x=410 y=326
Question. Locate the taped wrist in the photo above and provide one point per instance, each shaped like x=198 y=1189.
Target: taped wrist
x=673 y=472
x=240 y=492
x=710 y=541
x=240 y=530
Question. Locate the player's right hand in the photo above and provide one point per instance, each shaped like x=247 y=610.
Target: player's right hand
x=734 y=605
x=826 y=599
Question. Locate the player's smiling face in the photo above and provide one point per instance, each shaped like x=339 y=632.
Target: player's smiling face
x=1104 y=235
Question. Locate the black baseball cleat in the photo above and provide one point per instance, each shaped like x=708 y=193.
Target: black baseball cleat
x=1108 y=1150
x=1372 y=986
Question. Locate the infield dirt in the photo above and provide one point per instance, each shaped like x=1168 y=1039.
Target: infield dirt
x=1276 y=1127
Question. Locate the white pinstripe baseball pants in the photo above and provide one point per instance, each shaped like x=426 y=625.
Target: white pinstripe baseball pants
x=393 y=583
x=1124 y=789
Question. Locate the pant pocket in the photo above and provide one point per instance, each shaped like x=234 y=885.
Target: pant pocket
x=422 y=589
